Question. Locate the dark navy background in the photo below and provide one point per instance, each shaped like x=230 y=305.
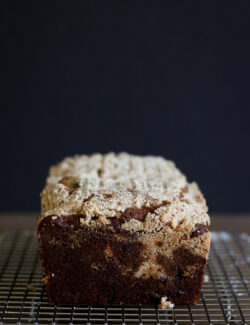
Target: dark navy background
x=147 y=77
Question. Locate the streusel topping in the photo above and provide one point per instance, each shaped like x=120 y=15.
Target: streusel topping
x=104 y=186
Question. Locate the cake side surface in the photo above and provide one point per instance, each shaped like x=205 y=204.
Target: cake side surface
x=119 y=228
x=99 y=265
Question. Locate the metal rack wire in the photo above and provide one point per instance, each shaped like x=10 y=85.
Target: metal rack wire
x=225 y=297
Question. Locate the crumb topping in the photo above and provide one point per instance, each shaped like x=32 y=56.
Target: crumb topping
x=99 y=187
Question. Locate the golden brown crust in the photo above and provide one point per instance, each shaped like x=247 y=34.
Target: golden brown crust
x=100 y=187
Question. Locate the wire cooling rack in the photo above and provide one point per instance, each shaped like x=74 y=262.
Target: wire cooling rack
x=225 y=296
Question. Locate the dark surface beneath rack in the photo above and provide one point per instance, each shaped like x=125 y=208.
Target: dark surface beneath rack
x=225 y=296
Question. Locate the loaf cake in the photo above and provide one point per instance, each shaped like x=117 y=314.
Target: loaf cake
x=122 y=229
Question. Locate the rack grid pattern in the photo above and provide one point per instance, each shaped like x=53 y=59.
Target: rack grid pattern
x=225 y=297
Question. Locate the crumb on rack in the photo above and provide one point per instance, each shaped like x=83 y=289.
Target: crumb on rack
x=206 y=279
x=165 y=304
x=31 y=287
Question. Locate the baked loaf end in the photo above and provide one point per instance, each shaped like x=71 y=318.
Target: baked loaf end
x=119 y=228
